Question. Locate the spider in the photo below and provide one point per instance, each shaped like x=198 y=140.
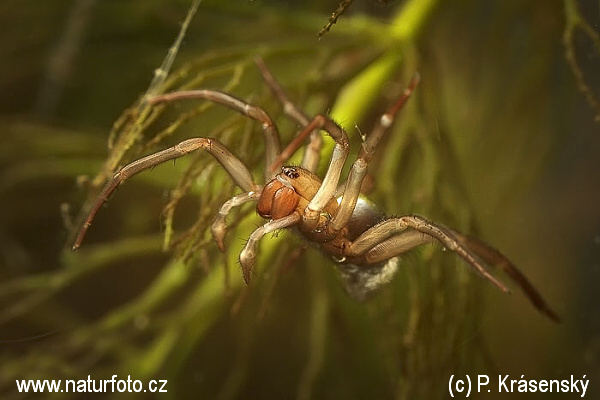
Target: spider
x=364 y=243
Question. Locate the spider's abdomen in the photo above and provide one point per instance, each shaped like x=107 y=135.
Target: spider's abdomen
x=277 y=200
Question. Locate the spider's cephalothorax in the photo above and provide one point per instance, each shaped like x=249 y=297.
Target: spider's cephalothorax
x=290 y=191
x=347 y=227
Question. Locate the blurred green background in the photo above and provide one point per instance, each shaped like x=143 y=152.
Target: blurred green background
x=499 y=141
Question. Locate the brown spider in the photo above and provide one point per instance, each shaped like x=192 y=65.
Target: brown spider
x=364 y=243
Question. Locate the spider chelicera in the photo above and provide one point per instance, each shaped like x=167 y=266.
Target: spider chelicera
x=364 y=244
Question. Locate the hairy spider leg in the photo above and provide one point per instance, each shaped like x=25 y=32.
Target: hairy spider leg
x=497 y=259
x=388 y=228
x=397 y=244
x=236 y=169
x=311 y=158
x=219 y=225
x=271 y=134
x=326 y=191
x=359 y=168
x=390 y=238
x=248 y=254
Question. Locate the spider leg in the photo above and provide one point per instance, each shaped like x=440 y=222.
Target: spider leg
x=219 y=226
x=236 y=169
x=388 y=228
x=271 y=134
x=497 y=259
x=328 y=187
x=359 y=168
x=395 y=245
x=289 y=108
x=248 y=254
x=310 y=161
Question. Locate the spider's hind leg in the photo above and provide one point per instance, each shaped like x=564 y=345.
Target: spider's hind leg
x=393 y=237
x=497 y=259
x=383 y=234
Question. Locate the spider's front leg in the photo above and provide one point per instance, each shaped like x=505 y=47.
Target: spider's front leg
x=233 y=165
x=248 y=254
x=219 y=225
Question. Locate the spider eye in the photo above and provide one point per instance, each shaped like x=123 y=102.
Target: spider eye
x=290 y=172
